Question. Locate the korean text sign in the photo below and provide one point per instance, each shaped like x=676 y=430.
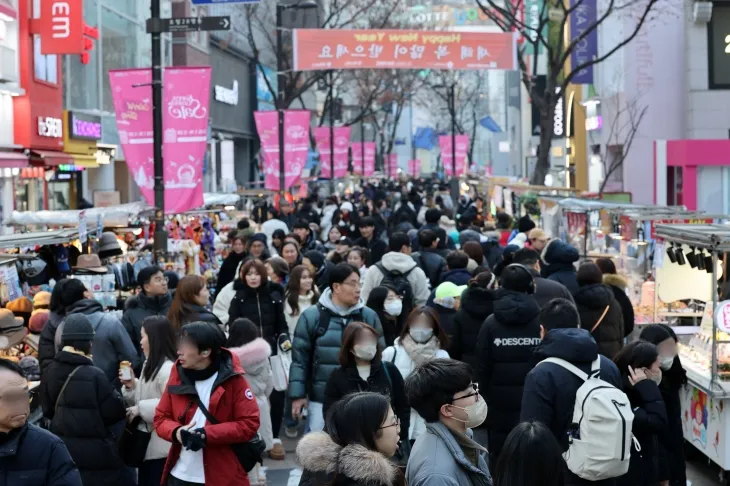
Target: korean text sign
x=296 y=145
x=319 y=49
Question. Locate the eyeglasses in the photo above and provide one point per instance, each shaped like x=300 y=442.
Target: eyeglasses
x=353 y=284
x=17 y=398
x=160 y=280
x=396 y=423
x=475 y=387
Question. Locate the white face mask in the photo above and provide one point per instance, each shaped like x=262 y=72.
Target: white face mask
x=365 y=352
x=394 y=308
x=476 y=413
x=666 y=362
x=655 y=377
x=421 y=334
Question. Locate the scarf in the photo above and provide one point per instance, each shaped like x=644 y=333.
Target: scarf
x=204 y=374
x=420 y=352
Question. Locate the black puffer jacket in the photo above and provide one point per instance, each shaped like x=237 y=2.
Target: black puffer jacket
x=227 y=273
x=592 y=301
x=31 y=456
x=547 y=290
x=195 y=313
x=559 y=258
x=476 y=305
x=433 y=265
x=505 y=349
x=139 y=308
x=83 y=415
x=618 y=284
x=264 y=306
x=446 y=316
x=346 y=380
x=47 y=341
x=376 y=247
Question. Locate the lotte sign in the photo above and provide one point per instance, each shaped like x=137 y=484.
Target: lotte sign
x=62 y=27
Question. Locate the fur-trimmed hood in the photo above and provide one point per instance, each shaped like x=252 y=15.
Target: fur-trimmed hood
x=252 y=353
x=318 y=453
x=615 y=280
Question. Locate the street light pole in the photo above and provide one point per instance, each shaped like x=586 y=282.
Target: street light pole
x=159 y=187
x=280 y=84
x=332 y=130
x=362 y=145
x=454 y=177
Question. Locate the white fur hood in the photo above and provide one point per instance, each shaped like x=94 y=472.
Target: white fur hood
x=252 y=353
x=318 y=453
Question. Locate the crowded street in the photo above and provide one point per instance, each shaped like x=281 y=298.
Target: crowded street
x=364 y=243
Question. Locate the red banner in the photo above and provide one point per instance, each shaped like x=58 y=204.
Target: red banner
x=62 y=26
x=322 y=49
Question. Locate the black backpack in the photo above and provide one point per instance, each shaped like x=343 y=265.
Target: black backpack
x=399 y=281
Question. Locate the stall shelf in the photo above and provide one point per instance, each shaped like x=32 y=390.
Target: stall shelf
x=705 y=399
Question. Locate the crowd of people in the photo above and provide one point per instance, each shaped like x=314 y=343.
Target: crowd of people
x=415 y=340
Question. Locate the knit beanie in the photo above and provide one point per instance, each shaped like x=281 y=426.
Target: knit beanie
x=77 y=327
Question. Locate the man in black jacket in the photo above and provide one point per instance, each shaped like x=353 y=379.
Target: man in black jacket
x=29 y=455
x=550 y=389
x=371 y=240
x=432 y=217
x=153 y=300
x=545 y=290
x=309 y=239
x=429 y=259
x=504 y=346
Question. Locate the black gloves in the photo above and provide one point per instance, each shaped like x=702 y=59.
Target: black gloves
x=193 y=440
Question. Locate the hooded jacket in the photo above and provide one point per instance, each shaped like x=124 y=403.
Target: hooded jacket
x=314 y=357
x=559 y=258
x=549 y=392
x=592 y=301
x=505 y=348
x=31 y=456
x=376 y=247
x=47 y=346
x=232 y=403
x=432 y=263
x=111 y=344
x=139 y=308
x=353 y=465
x=438 y=459
x=83 y=415
x=618 y=284
x=458 y=276
x=396 y=261
x=547 y=290
x=476 y=305
x=264 y=305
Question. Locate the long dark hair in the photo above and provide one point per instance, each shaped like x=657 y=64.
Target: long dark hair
x=676 y=376
x=639 y=354
x=376 y=302
x=187 y=289
x=161 y=337
x=432 y=316
x=66 y=292
x=242 y=331
x=357 y=418
x=293 y=288
x=533 y=443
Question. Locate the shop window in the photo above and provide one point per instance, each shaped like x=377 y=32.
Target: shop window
x=122 y=47
x=718 y=46
x=45 y=67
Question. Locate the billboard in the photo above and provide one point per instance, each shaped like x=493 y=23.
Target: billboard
x=324 y=49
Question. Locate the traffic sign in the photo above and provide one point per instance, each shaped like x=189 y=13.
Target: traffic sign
x=192 y=24
x=207 y=2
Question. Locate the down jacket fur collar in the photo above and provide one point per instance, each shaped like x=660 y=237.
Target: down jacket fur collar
x=320 y=455
x=254 y=358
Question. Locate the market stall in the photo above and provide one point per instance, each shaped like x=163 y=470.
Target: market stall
x=689 y=263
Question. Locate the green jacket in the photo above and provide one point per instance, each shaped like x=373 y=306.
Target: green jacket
x=314 y=359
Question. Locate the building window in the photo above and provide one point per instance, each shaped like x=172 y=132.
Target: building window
x=718 y=47
x=45 y=67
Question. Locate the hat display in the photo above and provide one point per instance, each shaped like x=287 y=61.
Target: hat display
x=42 y=300
x=90 y=263
x=12 y=330
x=38 y=320
x=20 y=305
x=62 y=264
x=109 y=245
x=77 y=327
x=33 y=271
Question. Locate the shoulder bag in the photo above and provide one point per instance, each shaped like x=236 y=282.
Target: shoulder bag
x=133 y=443
x=600 y=319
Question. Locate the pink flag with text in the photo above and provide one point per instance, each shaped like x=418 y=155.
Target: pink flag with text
x=414 y=167
x=296 y=145
x=357 y=159
x=341 y=146
x=369 y=158
x=185 y=131
x=462 y=145
x=391 y=165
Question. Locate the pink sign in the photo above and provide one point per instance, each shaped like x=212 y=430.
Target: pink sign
x=357 y=162
x=462 y=146
x=185 y=135
x=341 y=145
x=296 y=145
x=391 y=165
x=414 y=167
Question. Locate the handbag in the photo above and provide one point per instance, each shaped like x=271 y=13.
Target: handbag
x=248 y=453
x=133 y=443
x=280 y=364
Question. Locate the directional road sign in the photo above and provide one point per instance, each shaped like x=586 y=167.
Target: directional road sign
x=207 y=2
x=192 y=24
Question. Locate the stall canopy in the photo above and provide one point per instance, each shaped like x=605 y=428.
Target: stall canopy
x=580 y=205
x=21 y=240
x=713 y=237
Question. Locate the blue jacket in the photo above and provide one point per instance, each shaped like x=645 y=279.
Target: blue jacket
x=459 y=276
x=31 y=456
x=315 y=358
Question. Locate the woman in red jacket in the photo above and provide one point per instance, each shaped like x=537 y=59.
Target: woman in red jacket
x=205 y=372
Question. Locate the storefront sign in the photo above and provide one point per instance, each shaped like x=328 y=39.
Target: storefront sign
x=719 y=46
x=318 y=49
x=62 y=26
x=583 y=23
x=84 y=127
x=50 y=127
x=594 y=123
x=559 y=117
x=227 y=96
x=296 y=145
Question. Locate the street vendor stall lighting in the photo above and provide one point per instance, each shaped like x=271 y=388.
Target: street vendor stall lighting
x=679 y=255
x=708 y=262
x=701 y=260
x=670 y=253
x=692 y=257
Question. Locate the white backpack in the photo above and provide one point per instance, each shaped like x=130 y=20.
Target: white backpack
x=600 y=435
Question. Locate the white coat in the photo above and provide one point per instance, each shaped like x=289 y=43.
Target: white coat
x=305 y=302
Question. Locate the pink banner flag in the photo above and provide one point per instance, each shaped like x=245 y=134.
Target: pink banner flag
x=414 y=167
x=391 y=165
x=462 y=146
x=296 y=145
x=357 y=160
x=369 y=158
x=185 y=131
x=341 y=145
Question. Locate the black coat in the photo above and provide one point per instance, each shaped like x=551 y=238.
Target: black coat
x=446 y=316
x=445 y=243
x=264 y=306
x=547 y=290
x=559 y=258
x=83 y=415
x=505 y=349
x=592 y=301
x=618 y=284
x=432 y=264
x=346 y=380
x=650 y=421
x=227 y=273
x=476 y=305
x=672 y=465
x=322 y=278
x=376 y=247
x=195 y=313
x=139 y=308
x=459 y=276
x=47 y=341
x=31 y=456
x=549 y=392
